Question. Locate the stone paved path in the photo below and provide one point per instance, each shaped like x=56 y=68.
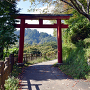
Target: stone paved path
x=44 y=76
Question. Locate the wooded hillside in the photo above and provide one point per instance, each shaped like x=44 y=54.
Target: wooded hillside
x=34 y=37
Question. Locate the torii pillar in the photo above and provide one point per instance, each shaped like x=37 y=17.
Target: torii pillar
x=59 y=40
x=21 y=41
x=41 y=17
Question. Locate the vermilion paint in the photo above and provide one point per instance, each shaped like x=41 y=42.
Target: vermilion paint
x=24 y=25
x=59 y=40
x=21 y=41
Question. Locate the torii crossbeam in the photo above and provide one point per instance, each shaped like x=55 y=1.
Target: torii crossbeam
x=41 y=17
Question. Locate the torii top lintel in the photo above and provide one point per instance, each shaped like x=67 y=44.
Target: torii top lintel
x=43 y=16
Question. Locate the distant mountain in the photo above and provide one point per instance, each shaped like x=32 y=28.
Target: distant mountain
x=33 y=36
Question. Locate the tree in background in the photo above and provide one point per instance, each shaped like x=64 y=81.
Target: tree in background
x=7 y=29
x=79 y=28
x=82 y=6
x=48 y=48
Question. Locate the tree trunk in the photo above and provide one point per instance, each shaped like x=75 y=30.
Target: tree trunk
x=87 y=16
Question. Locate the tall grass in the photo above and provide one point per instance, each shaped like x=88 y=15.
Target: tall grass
x=75 y=61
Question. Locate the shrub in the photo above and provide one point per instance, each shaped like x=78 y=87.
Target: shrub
x=11 y=84
x=81 y=31
x=75 y=59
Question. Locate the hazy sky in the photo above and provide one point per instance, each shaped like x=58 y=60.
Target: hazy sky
x=25 y=5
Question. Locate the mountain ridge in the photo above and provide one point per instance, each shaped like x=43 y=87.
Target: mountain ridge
x=34 y=37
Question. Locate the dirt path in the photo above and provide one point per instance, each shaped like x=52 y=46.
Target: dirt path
x=44 y=76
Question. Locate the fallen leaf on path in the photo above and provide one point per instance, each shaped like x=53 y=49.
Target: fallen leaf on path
x=68 y=84
x=78 y=81
x=74 y=84
x=47 y=71
x=20 y=80
x=86 y=81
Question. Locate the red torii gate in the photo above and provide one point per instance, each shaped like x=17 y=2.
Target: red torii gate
x=41 y=17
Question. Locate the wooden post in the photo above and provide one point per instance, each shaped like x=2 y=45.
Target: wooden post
x=35 y=56
x=11 y=57
x=2 y=79
x=59 y=39
x=40 y=55
x=21 y=41
x=15 y=59
x=44 y=55
x=8 y=71
x=31 y=56
x=26 y=57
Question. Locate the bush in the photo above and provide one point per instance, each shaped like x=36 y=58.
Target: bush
x=10 y=51
x=75 y=61
x=81 y=31
x=11 y=84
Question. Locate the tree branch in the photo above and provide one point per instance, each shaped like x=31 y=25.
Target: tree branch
x=75 y=6
x=81 y=5
x=80 y=9
x=88 y=3
x=72 y=5
x=68 y=3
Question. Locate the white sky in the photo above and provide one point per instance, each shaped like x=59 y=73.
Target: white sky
x=25 y=5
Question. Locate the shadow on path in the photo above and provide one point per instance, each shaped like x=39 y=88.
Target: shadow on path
x=44 y=76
